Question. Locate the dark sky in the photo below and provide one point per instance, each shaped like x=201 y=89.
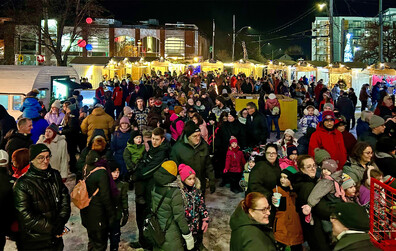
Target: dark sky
x=263 y=16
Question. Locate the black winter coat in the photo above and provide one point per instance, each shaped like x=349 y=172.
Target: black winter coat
x=7 y=210
x=42 y=203
x=16 y=140
x=386 y=163
x=345 y=106
x=257 y=132
x=313 y=234
x=264 y=177
x=7 y=123
x=236 y=129
x=101 y=211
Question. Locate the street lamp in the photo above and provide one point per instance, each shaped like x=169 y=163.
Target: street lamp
x=321 y=6
x=234 y=34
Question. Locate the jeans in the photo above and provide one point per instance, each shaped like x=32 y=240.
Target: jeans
x=271 y=118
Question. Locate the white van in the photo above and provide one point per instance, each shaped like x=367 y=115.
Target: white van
x=17 y=80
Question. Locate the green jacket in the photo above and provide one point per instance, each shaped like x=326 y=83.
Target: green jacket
x=354 y=169
x=248 y=235
x=132 y=154
x=171 y=213
x=355 y=241
x=264 y=177
x=121 y=203
x=196 y=157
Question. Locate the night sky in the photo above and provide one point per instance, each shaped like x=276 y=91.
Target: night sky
x=263 y=16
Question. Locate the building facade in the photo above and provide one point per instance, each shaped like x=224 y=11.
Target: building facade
x=109 y=38
x=347 y=35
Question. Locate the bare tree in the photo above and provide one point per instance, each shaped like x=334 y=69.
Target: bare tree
x=70 y=16
x=369 y=52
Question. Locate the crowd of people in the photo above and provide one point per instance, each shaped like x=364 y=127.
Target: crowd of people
x=172 y=137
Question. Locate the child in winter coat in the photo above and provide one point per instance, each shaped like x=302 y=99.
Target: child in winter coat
x=235 y=162
x=121 y=206
x=290 y=159
x=246 y=172
x=349 y=187
x=194 y=204
x=132 y=154
x=31 y=107
x=288 y=138
x=310 y=118
x=287 y=226
x=329 y=185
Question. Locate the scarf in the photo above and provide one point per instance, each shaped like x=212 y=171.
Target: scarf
x=339 y=191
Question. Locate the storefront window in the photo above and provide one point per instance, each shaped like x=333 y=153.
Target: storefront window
x=4 y=101
x=174 y=46
x=27 y=43
x=150 y=45
x=125 y=46
x=16 y=102
x=66 y=42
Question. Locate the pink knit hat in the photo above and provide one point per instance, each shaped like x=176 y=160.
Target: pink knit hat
x=185 y=171
x=233 y=139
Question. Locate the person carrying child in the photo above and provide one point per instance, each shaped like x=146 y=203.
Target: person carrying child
x=31 y=107
x=287 y=226
x=329 y=185
x=194 y=204
x=121 y=208
x=235 y=162
x=290 y=159
x=132 y=154
x=285 y=141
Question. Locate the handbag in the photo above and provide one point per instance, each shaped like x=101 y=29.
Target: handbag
x=151 y=227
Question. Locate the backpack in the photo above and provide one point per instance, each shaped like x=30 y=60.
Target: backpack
x=151 y=227
x=79 y=196
x=275 y=110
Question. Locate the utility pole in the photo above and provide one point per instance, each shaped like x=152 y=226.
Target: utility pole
x=233 y=37
x=331 y=30
x=213 y=40
x=381 y=36
x=259 y=45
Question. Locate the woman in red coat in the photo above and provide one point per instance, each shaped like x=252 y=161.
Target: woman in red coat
x=330 y=139
x=117 y=99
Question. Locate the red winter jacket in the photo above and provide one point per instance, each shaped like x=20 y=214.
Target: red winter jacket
x=235 y=161
x=117 y=96
x=331 y=141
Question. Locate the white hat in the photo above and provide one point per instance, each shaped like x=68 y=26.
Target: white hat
x=3 y=158
x=56 y=104
x=290 y=132
x=272 y=96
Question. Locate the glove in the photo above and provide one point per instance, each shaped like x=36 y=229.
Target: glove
x=189 y=241
x=205 y=224
x=125 y=216
x=212 y=186
x=58 y=227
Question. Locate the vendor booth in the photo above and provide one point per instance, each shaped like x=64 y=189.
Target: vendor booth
x=208 y=66
x=341 y=75
x=282 y=69
x=245 y=67
x=288 y=118
x=162 y=66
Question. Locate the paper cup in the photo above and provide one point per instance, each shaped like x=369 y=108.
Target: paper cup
x=278 y=197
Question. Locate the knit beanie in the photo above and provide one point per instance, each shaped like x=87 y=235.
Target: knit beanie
x=327 y=114
x=289 y=171
x=134 y=134
x=212 y=116
x=330 y=165
x=190 y=127
x=234 y=114
x=352 y=216
x=385 y=144
x=347 y=181
x=320 y=155
x=170 y=166
x=271 y=96
x=185 y=171
x=3 y=158
x=125 y=120
x=328 y=105
x=32 y=93
x=290 y=132
x=233 y=139
x=127 y=110
x=72 y=107
x=158 y=103
x=178 y=109
x=220 y=99
x=36 y=149
x=53 y=128
x=56 y=104
x=376 y=121
x=290 y=149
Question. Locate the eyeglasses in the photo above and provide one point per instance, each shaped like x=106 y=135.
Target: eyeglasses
x=314 y=166
x=263 y=210
x=271 y=154
x=41 y=158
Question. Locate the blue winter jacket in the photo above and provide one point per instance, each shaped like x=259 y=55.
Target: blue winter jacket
x=31 y=108
x=119 y=142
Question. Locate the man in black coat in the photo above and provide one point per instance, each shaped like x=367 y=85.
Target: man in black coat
x=256 y=126
x=20 y=138
x=42 y=204
x=346 y=108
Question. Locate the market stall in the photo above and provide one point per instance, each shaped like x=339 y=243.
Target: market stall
x=284 y=70
x=137 y=69
x=157 y=65
x=341 y=75
x=212 y=66
x=245 y=67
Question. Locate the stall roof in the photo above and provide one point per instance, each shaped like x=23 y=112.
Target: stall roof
x=317 y=63
x=355 y=65
x=105 y=60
